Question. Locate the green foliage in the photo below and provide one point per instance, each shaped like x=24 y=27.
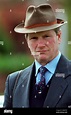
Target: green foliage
x=10 y=63
x=6 y=44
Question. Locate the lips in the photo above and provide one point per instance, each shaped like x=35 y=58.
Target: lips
x=42 y=51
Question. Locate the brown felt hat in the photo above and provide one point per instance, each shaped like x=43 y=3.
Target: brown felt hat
x=39 y=18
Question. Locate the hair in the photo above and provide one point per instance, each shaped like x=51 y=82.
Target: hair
x=56 y=31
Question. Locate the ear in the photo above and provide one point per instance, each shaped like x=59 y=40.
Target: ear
x=59 y=36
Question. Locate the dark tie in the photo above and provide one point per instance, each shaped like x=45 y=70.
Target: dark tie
x=41 y=84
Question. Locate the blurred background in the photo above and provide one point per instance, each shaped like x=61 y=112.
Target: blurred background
x=14 y=53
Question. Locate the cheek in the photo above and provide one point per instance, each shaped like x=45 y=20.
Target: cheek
x=51 y=42
x=31 y=45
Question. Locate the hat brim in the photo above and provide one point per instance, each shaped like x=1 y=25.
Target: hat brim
x=20 y=28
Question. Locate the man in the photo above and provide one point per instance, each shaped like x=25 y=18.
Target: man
x=25 y=88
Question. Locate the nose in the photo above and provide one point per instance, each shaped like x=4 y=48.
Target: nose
x=41 y=42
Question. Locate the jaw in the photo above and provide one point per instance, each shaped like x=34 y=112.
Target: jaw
x=42 y=59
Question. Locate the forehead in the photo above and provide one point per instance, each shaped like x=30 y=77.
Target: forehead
x=49 y=32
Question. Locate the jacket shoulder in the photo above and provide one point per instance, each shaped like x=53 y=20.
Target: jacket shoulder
x=12 y=76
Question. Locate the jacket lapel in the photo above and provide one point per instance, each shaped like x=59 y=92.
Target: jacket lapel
x=57 y=88
x=23 y=88
x=58 y=84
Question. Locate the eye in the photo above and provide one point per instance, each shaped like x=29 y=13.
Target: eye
x=34 y=38
x=46 y=36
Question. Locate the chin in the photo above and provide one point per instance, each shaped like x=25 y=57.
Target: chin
x=43 y=58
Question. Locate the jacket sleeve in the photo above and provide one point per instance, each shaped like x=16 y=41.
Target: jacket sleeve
x=8 y=92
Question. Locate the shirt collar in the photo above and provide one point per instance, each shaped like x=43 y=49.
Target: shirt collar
x=51 y=66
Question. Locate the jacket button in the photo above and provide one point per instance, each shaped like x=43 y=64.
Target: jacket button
x=59 y=96
x=22 y=106
x=10 y=96
x=22 y=85
x=47 y=106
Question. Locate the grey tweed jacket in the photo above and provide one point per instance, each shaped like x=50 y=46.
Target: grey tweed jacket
x=58 y=96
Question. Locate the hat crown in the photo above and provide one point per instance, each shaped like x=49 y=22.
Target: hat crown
x=42 y=14
x=39 y=18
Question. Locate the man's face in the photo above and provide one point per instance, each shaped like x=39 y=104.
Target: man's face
x=44 y=45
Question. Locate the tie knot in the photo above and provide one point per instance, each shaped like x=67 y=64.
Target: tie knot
x=43 y=70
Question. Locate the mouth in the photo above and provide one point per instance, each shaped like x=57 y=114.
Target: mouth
x=42 y=51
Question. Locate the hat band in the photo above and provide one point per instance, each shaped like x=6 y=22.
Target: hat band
x=39 y=25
